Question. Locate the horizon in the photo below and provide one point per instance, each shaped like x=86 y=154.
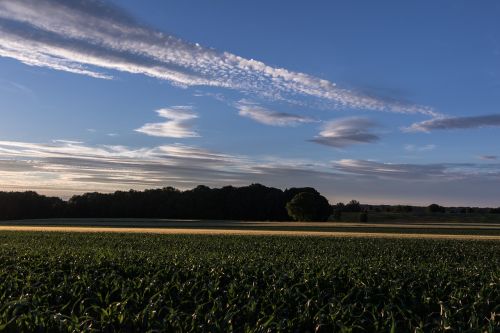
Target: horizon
x=67 y=198
x=387 y=104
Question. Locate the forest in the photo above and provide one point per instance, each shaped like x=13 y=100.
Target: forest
x=253 y=202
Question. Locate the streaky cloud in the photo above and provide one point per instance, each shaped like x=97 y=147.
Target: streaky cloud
x=412 y=172
x=347 y=131
x=415 y=148
x=272 y=118
x=450 y=123
x=391 y=170
x=179 y=123
x=93 y=37
x=489 y=157
x=72 y=167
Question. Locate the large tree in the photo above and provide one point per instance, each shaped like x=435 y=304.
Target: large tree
x=307 y=206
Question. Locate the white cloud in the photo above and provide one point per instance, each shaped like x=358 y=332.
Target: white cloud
x=455 y=123
x=347 y=131
x=73 y=166
x=179 y=123
x=269 y=117
x=66 y=168
x=92 y=37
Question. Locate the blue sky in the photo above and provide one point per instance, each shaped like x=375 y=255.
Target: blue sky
x=385 y=102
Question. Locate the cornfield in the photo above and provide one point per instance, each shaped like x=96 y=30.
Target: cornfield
x=126 y=282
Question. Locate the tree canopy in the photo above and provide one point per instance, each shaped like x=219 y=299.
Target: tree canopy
x=253 y=202
x=307 y=206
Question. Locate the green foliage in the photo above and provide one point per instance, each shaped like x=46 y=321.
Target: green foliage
x=307 y=206
x=125 y=282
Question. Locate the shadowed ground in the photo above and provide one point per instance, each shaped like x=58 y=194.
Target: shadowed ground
x=329 y=229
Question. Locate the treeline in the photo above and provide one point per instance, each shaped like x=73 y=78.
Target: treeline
x=254 y=202
x=30 y=205
x=432 y=208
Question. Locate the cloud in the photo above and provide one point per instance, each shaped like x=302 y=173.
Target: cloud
x=415 y=148
x=416 y=172
x=12 y=86
x=272 y=118
x=455 y=123
x=73 y=165
x=488 y=157
x=69 y=167
x=347 y=131
x=179 y=123
x=95 y=38
x=404 y=171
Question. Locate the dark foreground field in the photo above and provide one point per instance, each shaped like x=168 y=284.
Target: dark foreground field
x=138 y=282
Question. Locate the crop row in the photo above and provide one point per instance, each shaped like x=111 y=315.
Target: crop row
x=124 y=282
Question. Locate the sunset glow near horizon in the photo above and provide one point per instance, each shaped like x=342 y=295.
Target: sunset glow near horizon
x=383 y=102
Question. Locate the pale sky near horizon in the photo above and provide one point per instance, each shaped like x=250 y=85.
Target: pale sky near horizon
x=383 y=102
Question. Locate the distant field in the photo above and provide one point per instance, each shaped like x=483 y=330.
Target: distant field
x=149 y=282
x=419 y=217
x=310 y=228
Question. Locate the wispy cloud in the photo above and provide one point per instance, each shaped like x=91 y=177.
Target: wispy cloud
x=488 y=157
x=415 y=148
x=455 y=123
x=411 y=172
x=93 y=37
x=12 y=86
x=68 y=167
x=72 y=165
x=179 y=123
x=269 y=117
x=347 y=131
x=373 y=168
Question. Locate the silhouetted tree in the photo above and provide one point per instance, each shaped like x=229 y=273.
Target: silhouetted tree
x=306 y=206
x=495 y=210
x=353 y=206
x=29 y=205
x=435 y=208
x=253 y=202
x=339 y=206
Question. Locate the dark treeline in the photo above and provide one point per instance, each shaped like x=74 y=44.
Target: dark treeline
x=26 y=205
x=254 y=202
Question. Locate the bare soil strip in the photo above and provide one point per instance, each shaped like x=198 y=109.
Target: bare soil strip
x=181 y=231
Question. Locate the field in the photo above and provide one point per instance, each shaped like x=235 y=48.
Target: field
x=352 y=229
x=109 y=282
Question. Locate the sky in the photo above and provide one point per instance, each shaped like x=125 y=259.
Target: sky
x=384 y=102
